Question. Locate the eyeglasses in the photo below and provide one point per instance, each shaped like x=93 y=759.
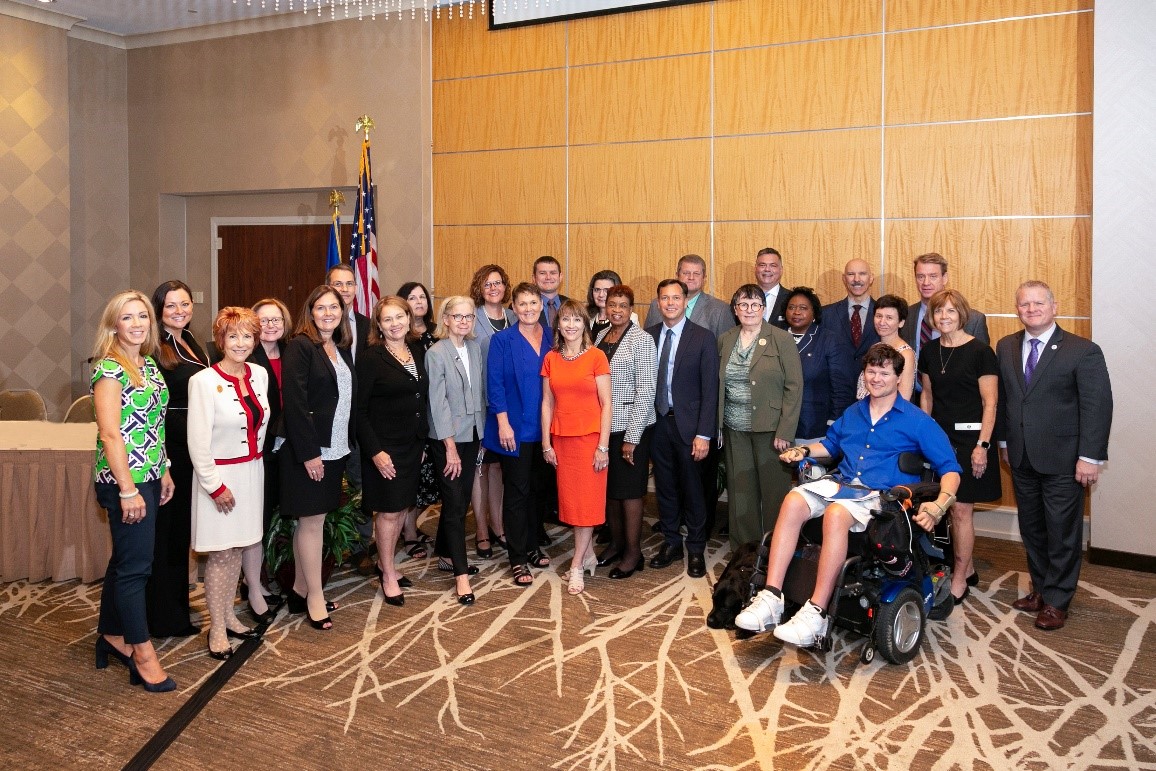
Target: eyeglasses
x=493 y=284
x=272 y=322
x=462 y=316
x=755 y=306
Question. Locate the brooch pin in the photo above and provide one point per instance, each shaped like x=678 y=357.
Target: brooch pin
x=762 y=342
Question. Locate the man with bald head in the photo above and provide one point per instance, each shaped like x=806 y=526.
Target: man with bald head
x=853 y=318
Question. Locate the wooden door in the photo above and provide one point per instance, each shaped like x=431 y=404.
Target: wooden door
x=282 y=261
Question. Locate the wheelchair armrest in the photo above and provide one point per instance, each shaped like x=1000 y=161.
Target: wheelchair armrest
x=918 y=492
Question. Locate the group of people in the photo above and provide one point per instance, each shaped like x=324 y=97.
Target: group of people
x=520 y=402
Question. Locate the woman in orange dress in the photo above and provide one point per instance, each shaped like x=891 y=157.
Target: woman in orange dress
x=576 y=431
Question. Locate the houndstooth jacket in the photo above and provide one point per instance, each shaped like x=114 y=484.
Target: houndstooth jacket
x=633 y=380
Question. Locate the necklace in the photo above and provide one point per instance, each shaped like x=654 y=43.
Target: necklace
x=497 y=324
x=404 y=360
x=943 y=364
x=567 y=357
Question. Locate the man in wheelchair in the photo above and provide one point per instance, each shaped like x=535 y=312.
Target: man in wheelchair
x=869 y=436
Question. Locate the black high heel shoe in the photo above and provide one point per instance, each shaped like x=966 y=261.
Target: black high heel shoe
x=136 y=678
x=248 y=634
x=403 y=582
x=297 y=604
x=448 y=567
x=973 y=579
x=224 y=655
x=608 y=558
x=485 y=553
x=324 y=624
x=619 y=573
x=104 y=649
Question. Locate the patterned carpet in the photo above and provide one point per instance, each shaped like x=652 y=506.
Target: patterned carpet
x=626 y=676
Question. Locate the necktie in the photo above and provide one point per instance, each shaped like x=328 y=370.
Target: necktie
x=551 y=312
x=1033 y=360
x=856 y=325
x=925 y=330
x=663 y=403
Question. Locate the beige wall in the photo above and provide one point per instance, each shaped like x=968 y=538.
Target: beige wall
x=271 y=115
x=35 y=275
x=114 y=161
x=98 y=100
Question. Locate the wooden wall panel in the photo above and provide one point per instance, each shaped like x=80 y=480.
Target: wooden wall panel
x=502 y=187
x=665 y=98
x=463 y=48
x=816 y=175
x=1035 y=66
x=743 y=23
x=640 y=35
x=988 y=259
x=642 y=253
x=830 y=84
x=643 y=182
x=459 y=251
x=814 y=253
x=909 y=14
x=500 y=112
x=1020 y=167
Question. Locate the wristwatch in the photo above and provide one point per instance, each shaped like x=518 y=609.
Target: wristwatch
x=602 y=449
x=983 y=444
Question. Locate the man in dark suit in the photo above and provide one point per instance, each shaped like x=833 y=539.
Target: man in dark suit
x=768 y=272
x=686 y=401
x=1055 y=407
x=548 y=278
x=702 y=308
x=930 y=278
x=859 y=333
x=342 y=278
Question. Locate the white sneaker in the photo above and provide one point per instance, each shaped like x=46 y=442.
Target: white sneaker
x=762 y=614
x=805 y=627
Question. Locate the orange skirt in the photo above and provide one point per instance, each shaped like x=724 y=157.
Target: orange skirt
x=581 y=489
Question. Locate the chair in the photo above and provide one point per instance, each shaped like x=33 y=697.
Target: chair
x=22 y=404
x=81 y=411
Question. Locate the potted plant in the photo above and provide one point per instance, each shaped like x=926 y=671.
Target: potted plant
x=340 y=538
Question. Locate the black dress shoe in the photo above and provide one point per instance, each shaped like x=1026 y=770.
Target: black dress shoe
x=466 y=599
x=696 y=566
x=403 y=582
x=224 y=655
x=248 y=634
x=666 y=555
x=973 y=579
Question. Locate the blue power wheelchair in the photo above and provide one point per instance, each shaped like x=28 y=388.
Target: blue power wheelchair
x=895 y=577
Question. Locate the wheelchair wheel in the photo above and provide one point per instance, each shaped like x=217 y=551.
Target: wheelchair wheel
x=899 y=627
x=942 y=602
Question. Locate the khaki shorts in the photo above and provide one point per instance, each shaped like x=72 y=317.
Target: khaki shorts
x=823 y=492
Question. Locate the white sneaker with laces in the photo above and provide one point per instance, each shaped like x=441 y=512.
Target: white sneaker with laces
x=805 y=627
x=762 y=614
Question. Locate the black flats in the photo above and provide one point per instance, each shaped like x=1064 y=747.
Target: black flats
x=608 y=558
x=248 y=634
x=618 y=573
x=224 y=655
x=466 y=599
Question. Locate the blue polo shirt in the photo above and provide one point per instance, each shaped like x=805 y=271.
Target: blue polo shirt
x=871 y=451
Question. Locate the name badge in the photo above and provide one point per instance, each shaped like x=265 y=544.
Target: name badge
x=968 y=426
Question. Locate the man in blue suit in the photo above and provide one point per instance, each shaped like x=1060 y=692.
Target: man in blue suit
x=686 y=401
x=859 y=333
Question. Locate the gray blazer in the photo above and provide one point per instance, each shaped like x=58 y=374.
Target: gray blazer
x=976 y=326
x=484 y=331
x=709 y=312
x=457 y=406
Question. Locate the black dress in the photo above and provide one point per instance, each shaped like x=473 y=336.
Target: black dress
x=954 y=375
x=391 y=417
x=428 y=491
x=167 y=591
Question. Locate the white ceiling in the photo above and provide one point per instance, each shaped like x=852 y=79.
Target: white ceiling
x=142 y=17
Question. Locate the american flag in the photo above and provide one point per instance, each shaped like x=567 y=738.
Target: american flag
x=363 y=250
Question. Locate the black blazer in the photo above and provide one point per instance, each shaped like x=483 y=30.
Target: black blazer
x=392 y=406
x=694 y=383
x=837 y=319
x=261 y=359
x=1066 y=412
x=309 y=396
x=362 y=331
x=778 y=317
